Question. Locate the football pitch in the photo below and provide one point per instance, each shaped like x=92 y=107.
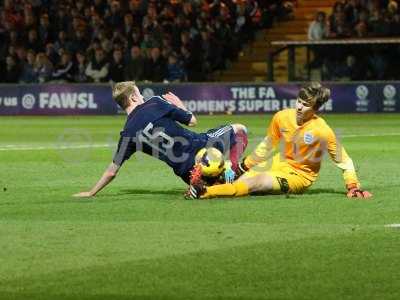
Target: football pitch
x=140 y=239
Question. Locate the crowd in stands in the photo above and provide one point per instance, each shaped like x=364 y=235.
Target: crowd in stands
x=110 y=40
x=358 y=19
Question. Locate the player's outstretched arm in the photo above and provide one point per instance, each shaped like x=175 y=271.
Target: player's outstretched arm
x=107 y=177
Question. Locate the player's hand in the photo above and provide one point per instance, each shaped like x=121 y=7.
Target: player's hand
x=83 y=195
x=358 y=193
x=229 y=175
x=172 y=98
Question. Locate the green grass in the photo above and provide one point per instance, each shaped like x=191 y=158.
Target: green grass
x=139 y=239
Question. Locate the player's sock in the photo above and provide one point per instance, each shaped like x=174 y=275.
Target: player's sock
x=237 y=189
x=238 y=148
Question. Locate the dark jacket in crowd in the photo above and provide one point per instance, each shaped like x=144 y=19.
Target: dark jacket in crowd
x=156 y=70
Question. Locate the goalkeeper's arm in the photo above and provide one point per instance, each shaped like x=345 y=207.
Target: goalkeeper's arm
x=343 y=161
x=262 y=153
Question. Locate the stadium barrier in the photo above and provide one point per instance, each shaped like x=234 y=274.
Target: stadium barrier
x=202 y=98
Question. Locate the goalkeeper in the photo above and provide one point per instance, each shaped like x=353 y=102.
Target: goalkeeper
x=302 y=138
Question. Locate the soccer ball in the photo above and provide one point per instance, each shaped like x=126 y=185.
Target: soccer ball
x=211 y=162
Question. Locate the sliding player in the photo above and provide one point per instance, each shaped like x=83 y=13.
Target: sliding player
x=302 y=138
x=152 y=127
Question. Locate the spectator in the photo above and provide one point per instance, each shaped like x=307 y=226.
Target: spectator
x=352 y=10
x=80 y=41
x=43 y=68
x=156 y=68
x=379 y=24
x=52 y=54
x=117 y=66
x=28 y=73
x=193 y=64
x=136 y=9
x=12 y=71
x=80 y=7
x=46 y=33
x=377 y=64
x=12 y=50
x=175 y=70
x=62 y=19
x=318 y=29
x=188 y=12
x=14 y=39
x=361 y=28
x=135 y=68
x=63 y=72
x=338 y=26
x=212 y=52
x=63 y=42
x=223 y=33
x=128 y=25
x=21 y=54
x=135 y=39
x=115 y=17
x=100 y=6
x=148 y=41
x=392 y=8
x=33 y=41
x=96 y=25
x=97 y=70
x=80 y=68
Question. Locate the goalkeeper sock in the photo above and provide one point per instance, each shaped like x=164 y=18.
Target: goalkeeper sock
x=237 y=189
x=242 y=188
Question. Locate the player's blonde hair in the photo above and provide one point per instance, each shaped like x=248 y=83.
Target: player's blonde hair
x=122 y=91
x=315 y=94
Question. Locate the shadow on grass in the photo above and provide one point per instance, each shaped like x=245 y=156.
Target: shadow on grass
x=324 y=191
x=150 y=192
x=119 y=196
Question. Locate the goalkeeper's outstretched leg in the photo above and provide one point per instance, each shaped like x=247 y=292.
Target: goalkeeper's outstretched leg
x=261 y=183
x=278 y=179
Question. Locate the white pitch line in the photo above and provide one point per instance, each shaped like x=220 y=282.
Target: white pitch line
x=392 y=226
x=370 y=135
x=24 y=148
x=88 y=146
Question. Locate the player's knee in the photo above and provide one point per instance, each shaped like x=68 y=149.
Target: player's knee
x=112 y=174
x=265 y=183
x=239 y=127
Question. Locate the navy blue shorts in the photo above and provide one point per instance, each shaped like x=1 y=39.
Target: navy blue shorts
x=222 y=138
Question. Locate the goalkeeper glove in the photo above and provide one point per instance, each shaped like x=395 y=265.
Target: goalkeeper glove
x=353 y=191
x=229 y=174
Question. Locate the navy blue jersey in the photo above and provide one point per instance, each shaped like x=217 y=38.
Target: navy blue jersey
x=153 y=128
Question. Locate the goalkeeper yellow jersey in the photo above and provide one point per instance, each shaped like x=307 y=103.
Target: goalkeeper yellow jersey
x=303 y=147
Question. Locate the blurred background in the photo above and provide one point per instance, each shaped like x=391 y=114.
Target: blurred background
x=217 y=42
